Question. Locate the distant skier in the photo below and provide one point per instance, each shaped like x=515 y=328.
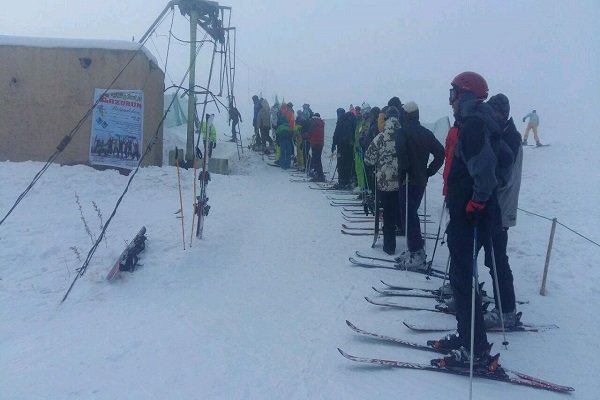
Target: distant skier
x=263 y=121
x=257 y=106
x=234 y=119
x=343 y=138
x=534 y=122
x=316 y=138
x=212 y=137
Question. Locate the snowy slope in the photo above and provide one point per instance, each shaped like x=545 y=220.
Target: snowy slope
x=257 y=308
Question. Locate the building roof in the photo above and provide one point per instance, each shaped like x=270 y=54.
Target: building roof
x=30 y=41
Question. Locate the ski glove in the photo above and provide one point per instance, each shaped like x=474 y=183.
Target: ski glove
x=214 y=144
x=523 y=119
x=474 y=211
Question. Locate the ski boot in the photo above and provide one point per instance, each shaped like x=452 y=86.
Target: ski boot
x=448 y=343
x=413 y=260
x=461 y=359
x=492 y=319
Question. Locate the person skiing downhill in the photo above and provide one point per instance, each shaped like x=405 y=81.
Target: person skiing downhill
x=474 y=214
x=534 y=122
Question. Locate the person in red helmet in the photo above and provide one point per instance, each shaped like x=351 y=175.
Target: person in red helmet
x=470 y=185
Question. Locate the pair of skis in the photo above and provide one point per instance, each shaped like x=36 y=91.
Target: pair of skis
x=371 y=262
x=499 y=374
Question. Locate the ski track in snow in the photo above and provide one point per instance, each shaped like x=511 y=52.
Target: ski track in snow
x=257 y=308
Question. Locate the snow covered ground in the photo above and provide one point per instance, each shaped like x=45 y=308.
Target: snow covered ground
x=257 y=308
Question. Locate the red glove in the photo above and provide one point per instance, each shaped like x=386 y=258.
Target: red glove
x=474 y=210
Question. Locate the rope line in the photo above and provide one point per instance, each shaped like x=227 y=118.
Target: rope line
x=561 y=224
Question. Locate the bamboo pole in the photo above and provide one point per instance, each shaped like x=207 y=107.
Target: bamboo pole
x=548 y=252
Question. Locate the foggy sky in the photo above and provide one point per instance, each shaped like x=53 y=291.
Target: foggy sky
x=330 y=53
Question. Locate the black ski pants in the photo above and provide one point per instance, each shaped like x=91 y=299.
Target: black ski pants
x=460 y=243
x=264 y=133
x=389 y=201
x=315 y=160
x=258 y=141
x=505 y=276
x=412 y=226
x=344 y=166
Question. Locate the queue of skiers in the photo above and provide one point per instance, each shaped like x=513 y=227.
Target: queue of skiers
x=388 y=150
x=298 y=139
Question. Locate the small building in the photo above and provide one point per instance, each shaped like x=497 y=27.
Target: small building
x=48 y=86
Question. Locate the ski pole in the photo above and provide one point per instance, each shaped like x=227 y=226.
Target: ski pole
x=441 y=296
x=425 y=220
x=497 y=285
x=437 y=238
x=333 y=176
x=474 y=288
x=180 y=198
x=406 y=211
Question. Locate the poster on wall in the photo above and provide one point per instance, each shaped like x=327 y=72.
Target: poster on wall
x=117 y=128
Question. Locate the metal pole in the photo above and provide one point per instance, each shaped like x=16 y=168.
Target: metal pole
x=189 y=149
x=170 y=5
x=548 y=252
x=474 y=288
x=498 y=297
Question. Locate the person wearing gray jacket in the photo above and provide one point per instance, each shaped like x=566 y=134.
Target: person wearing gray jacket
x=534 y=122
x=508 y=201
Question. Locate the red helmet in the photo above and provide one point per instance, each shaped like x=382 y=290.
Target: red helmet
x=472 y=82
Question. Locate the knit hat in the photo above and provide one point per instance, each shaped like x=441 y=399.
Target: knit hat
x=500 y=103
x=395 y=101
x=410 y=107
x=392 y=112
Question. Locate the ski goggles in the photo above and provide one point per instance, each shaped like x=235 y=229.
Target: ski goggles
x=454 y=94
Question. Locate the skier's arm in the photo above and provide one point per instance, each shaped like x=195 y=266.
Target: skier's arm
x=480 y=159
x=437 y=150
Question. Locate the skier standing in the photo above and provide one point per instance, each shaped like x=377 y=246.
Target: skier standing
x=343 y=137
x=263 y=120
x=472 y=206
x=284 y=137
x=508 y=199
x=382 y=155
x=257 y=107
x=212 y=137
x=414 y=145
x=316 y=137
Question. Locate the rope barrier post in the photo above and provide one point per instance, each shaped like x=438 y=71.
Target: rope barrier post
x=548 y=252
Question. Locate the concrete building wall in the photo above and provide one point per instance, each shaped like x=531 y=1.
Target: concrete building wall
x=46 y=91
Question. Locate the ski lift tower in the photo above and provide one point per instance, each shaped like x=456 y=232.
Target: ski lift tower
x=206 y=15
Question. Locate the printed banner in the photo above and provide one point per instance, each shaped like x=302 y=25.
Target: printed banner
x=117 y=128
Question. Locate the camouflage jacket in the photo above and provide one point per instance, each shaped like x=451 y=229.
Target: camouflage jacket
x=381 y=154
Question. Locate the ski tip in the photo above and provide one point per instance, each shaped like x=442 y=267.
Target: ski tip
x=343 y=353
